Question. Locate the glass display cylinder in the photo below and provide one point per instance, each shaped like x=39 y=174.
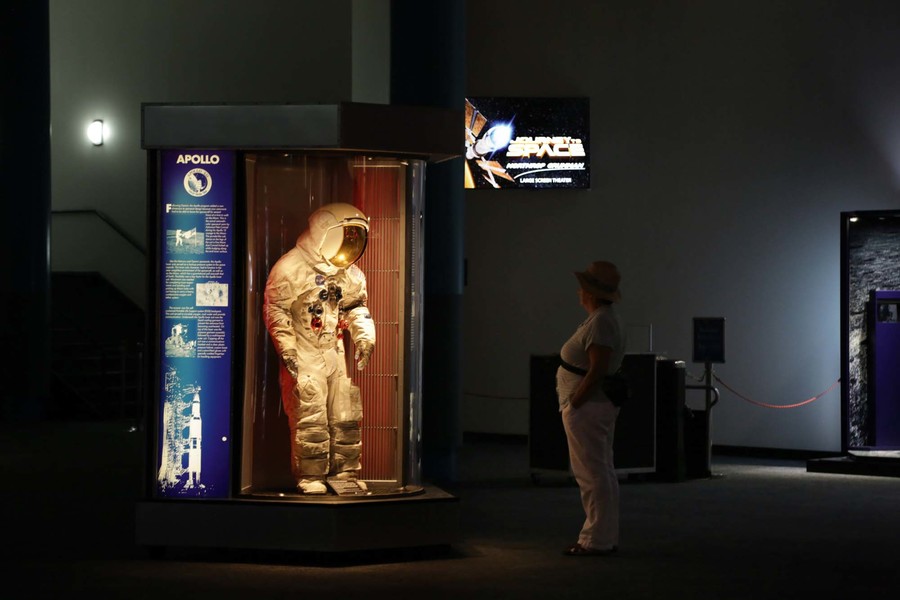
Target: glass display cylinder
x=282 y=190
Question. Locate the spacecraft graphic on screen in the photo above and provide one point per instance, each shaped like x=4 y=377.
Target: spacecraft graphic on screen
x=527 y=143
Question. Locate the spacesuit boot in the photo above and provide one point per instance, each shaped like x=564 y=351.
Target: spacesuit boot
x=345 y=452
x=347 y=483
x=312 y=486
x=350 y=476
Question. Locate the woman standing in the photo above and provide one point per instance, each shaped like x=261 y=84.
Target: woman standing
x=595 y=350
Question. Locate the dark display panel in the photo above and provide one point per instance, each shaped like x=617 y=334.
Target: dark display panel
x=709 y=340
x=871 y=262
x=884 y=366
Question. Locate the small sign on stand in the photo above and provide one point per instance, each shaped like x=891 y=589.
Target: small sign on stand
x=709 y=348
x=709 y=339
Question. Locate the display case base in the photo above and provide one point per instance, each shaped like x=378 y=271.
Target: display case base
x=853 y=465
x=374 y=490
x=430 y=518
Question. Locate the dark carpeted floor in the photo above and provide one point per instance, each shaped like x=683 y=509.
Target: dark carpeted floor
x=759 y=529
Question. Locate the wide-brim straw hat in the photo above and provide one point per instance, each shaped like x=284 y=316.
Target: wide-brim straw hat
x=601 y=280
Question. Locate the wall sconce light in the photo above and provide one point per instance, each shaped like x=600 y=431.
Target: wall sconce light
x=95 y=132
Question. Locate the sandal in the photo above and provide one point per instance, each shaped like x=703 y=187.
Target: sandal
x=577 y=549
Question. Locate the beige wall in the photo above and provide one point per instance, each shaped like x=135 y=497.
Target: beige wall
x=108 y=56
x=727 y=137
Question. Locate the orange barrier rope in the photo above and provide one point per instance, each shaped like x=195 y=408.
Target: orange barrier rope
x=765 y=405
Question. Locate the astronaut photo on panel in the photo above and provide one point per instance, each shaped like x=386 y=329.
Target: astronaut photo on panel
x=315 y=293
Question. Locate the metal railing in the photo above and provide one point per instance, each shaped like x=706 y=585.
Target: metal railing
x=108 y=221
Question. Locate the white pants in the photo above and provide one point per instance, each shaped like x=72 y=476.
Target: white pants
x=323 y=413
x=589 y=430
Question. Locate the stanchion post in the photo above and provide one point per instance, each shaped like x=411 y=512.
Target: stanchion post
x=708 y=391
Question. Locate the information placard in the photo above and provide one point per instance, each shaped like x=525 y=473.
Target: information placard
x=709 y=339
x=195 y=322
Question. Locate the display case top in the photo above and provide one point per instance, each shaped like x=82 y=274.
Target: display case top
x=424 y=132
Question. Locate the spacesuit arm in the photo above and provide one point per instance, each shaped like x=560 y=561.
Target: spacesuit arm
x=359 y=321
x=279 y=323
x=362 y=330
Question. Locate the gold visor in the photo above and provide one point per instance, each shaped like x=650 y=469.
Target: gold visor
x=352 y=246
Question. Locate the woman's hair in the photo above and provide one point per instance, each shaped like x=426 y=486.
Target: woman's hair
x=597 y=299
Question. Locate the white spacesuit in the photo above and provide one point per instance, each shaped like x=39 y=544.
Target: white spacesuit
x=314 y=294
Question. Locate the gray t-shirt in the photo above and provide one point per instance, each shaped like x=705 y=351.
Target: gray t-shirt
x=603 y=327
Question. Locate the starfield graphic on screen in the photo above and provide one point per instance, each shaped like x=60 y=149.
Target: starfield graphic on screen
x=527 y=143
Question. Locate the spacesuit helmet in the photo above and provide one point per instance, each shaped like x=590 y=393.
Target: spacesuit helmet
x=345 y=232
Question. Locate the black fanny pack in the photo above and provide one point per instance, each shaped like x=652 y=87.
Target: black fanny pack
x=572 y=368
x=615 y=386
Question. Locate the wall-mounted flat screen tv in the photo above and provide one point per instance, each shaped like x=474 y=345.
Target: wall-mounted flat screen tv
x=527 y=143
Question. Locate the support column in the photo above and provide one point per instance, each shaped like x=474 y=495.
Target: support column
x=25 y=193
x=428 y=69
x=371 y=51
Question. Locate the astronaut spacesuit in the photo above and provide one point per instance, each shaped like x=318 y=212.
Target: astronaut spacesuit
x=314 y=294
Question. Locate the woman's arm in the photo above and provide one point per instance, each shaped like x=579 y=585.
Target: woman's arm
x=599 y=358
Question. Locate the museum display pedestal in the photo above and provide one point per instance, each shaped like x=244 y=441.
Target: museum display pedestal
x=855 y=465
x=427 y=519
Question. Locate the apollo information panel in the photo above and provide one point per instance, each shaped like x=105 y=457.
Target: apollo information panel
x=196 y=298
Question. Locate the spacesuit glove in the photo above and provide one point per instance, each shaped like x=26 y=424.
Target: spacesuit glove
x=291 y=363
x=363 y=352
